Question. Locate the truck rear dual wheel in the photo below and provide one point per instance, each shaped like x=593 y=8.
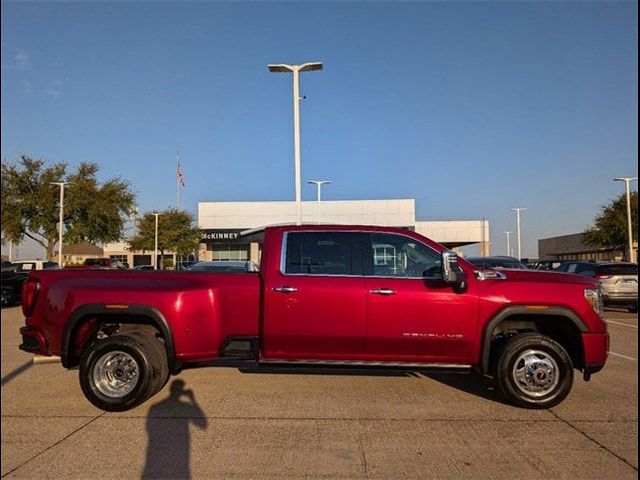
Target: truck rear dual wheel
x=122 y=371
x=534 y=371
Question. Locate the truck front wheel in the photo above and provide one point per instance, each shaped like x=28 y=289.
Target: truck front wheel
x=534 y=371
x=120 y=372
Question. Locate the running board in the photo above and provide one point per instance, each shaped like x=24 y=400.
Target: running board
x=273 y=365
x=362 y=363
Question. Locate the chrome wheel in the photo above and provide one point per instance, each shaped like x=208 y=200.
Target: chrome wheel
x=535 y=373
x=115 y=374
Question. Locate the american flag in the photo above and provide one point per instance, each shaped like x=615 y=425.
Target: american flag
x=180 y=176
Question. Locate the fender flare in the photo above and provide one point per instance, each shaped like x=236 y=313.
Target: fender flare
x=523 y=310
x=100 y=309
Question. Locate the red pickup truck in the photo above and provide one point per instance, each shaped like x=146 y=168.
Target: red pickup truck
x=325 y=295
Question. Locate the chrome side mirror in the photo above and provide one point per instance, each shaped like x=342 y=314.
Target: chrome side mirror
x=450 y=268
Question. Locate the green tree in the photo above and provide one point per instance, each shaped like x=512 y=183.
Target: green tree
x=93 y=211
x=175 y=233
x=610 y=228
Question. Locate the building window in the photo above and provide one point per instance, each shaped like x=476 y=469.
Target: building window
x=230 y=251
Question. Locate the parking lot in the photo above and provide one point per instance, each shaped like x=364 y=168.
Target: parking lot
x=222 y=423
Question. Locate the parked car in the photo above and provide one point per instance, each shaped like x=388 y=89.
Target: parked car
x=224 y=266
x=497 y=262
x=547 y=264
x=103 y=264
x=13 y=277
x=28 y=265
x=321 y=299
x=618 y=280
x=143 y=267
x=8 y=266
x=185 y=264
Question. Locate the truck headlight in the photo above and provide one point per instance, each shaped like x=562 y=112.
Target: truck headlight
x=594 y=297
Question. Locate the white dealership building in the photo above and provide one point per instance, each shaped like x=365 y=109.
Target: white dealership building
x=222 y=222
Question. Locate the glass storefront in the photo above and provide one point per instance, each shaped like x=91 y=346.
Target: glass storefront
x=230 y=251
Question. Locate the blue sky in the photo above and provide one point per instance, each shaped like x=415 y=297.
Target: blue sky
x=470 y=108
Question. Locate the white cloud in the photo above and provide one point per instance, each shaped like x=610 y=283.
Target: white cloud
x=27 y=89
x=55 y=90
x=22 y=61
x=52 y=92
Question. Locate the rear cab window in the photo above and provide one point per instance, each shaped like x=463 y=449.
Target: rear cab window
x=323 y=253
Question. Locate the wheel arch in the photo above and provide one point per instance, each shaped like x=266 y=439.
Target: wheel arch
x=559 y=323
x=131 y=315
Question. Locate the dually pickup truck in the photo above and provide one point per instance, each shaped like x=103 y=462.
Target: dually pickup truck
x=324 y=296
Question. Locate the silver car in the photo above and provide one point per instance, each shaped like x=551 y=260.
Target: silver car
x=224 y=266
x=618 y=280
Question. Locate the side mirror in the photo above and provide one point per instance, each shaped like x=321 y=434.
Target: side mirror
x=451 y=272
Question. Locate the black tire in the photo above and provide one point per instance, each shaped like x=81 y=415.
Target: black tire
x=633 y=308
x=159 y=361
x=119 y=372
x=534 y=371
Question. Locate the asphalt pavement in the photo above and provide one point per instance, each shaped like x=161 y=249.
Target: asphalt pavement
x=223 y=423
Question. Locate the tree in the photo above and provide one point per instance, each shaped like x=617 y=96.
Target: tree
x=93 y=211
x=610 y=228
x=175 y=233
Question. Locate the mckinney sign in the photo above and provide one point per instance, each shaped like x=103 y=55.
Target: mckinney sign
x=220 y=235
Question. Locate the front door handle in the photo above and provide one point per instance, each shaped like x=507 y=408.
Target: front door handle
x=383 y=291
x=285 y=289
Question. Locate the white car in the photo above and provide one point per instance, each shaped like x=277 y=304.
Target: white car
x=28 y=265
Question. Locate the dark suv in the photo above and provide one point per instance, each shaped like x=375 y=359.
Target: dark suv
x=618 y=280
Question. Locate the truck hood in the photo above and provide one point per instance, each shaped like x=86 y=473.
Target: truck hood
x=542 y=276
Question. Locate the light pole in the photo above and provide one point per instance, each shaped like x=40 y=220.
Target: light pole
x=518 y=210
x=318 y=184
x=296 y=69
x=155 y=251
x=61 y=220
x=627 y=181
x=508 y=243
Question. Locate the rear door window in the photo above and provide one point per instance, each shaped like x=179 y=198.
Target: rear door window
x=324 y=253
x=586 y=269
x=621 y=269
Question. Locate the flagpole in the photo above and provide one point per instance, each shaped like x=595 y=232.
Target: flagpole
x=177 y=180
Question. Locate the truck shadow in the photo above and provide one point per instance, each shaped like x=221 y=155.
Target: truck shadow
x=471 y=383
x=169 y=442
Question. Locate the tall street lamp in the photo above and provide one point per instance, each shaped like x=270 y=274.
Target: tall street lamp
x=508 y=243
x=296 y=69
x=318 y=184
x=627 y=181
x=155 y=256
x=61 y=219
x=518 y=210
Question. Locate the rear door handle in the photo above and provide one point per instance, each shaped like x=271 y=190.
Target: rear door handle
x=285 y=289
x=383 y=291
